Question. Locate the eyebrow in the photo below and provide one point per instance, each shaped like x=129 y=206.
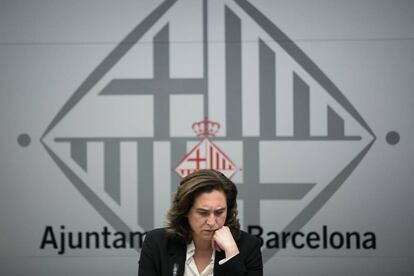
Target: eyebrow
x=206 y=210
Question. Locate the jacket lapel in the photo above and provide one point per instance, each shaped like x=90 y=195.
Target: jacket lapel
x=176 y=259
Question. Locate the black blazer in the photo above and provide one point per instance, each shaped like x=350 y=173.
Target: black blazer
x=161 y=255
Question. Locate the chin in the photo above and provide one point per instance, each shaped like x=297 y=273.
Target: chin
x=207 y=236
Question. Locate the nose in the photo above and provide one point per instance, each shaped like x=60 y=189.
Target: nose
x=211 y=220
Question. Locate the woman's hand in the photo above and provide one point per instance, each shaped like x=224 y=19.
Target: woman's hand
x=223 y=240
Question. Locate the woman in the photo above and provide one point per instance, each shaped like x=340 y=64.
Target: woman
x=203 y=235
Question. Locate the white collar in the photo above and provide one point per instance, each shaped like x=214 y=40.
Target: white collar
x=191 y=251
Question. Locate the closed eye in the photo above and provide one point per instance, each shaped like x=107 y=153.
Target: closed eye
x=203 y=213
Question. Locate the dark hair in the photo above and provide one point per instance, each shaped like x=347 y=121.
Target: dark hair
x=191 y=186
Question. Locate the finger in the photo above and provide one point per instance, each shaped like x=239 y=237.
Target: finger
x=214 y=245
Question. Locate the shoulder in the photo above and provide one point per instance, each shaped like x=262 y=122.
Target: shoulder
x=157 y=233
x=157 y=236
x=246 y=237
x=247 y=242
x=160 y=238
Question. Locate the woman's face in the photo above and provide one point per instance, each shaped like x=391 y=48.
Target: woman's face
x=208 y=214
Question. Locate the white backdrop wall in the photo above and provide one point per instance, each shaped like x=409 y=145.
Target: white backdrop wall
x=314 y=101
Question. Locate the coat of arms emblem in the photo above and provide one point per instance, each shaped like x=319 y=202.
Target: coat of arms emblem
x=206 y=154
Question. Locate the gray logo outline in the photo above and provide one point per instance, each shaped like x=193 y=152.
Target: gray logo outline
x=250 y=152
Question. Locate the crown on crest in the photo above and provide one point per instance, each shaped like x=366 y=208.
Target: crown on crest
x=206 y=128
